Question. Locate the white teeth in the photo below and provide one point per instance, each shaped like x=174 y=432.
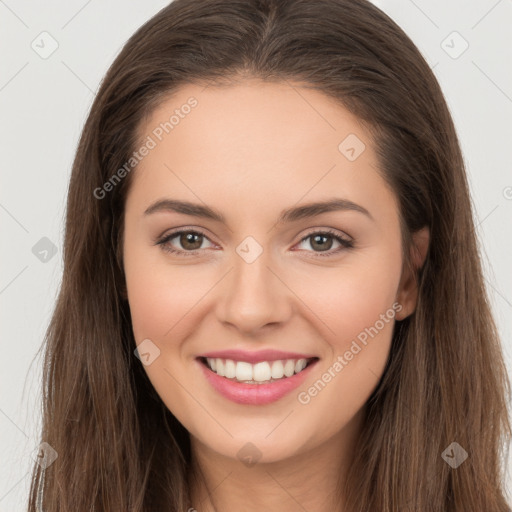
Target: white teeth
x=243 y=370
x=261 y=372
x=229 y=369
x=289 y=367
x=265 y=371
x=277 y=370
x=300 y=365
x=220 y=367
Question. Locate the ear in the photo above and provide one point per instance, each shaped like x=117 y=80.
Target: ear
x=407 y=294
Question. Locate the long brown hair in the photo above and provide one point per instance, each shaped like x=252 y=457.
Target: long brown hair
x=118 y=446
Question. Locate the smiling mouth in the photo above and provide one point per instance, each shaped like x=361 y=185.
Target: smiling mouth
x=263 y=372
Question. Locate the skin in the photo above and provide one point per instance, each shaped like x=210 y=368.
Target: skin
x=251 y=150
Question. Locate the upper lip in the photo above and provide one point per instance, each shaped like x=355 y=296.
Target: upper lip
x=255 y=357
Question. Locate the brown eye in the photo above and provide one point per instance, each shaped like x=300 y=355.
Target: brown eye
x=190 y=240
x=321 y=242
x=184 y=242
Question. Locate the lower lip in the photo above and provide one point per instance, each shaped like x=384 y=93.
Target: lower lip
x=255 y=394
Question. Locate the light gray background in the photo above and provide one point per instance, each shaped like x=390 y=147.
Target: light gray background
x=44 y=103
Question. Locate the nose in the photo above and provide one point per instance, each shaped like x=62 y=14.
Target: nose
x=253 y=296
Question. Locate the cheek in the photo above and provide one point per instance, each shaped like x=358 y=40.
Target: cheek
x=359 y=309
x=164 y=307
x=160 y=294
x=347 y=298
x=353 y=296
x=161 y=298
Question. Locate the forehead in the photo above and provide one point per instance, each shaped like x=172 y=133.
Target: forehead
x=255 y=140
x=273 y=113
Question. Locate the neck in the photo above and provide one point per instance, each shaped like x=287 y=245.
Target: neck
x=310 y=480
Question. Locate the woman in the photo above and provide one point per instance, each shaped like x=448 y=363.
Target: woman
x=272 y=296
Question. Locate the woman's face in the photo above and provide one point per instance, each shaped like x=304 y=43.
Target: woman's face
x=262 y=274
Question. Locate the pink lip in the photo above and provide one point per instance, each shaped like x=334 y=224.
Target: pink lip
x=255 y=357
x=255 y=394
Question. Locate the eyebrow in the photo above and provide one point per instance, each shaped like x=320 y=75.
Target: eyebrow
x=289 y=215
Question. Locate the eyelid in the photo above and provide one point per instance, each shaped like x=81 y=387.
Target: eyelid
x=169 y=235
x=175 y=231
x=345 y=240
x=330 y=231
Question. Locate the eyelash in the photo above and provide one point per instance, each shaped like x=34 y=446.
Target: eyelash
x=345 y=243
